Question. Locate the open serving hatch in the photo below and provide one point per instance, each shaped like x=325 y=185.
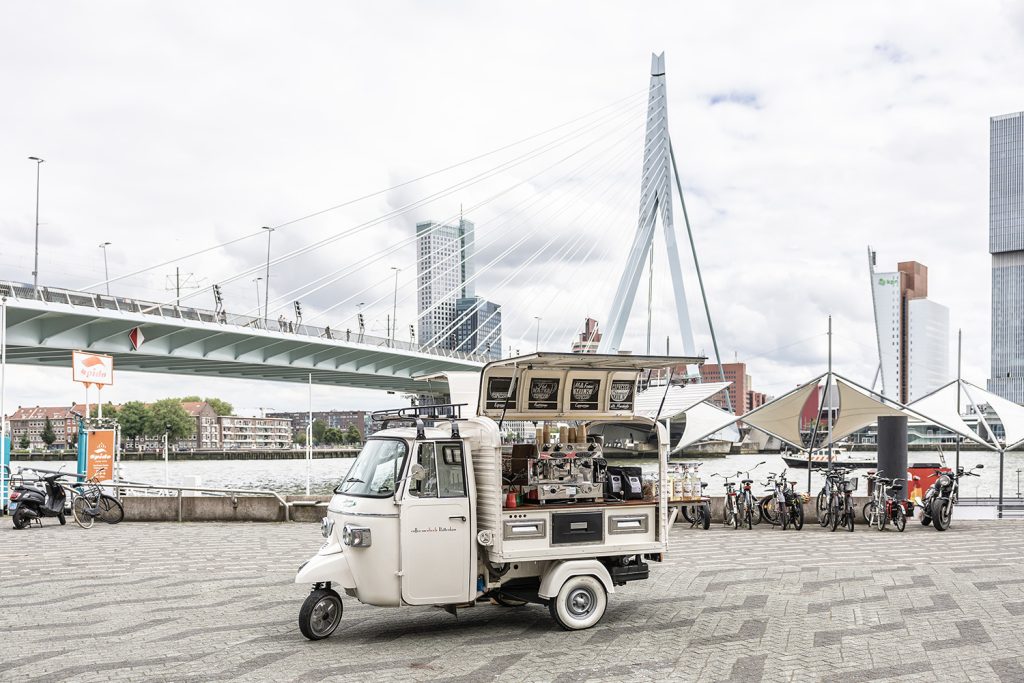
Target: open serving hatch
x=572 y=386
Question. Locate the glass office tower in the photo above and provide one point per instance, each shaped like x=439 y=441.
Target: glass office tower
x=1006 y=244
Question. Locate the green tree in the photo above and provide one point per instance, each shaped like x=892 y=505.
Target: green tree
x=108 y=410
x=23 y=443
x=48 y=436
x=319 y=427
x=190 y=399
x=352 y=434
x=221 y=407
x=168 y=415
x=299 y=438
x=133 y=418
x=333 y=436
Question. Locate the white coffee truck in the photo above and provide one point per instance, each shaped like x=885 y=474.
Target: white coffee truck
x=447 y=515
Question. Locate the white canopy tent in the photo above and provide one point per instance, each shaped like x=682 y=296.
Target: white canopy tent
x=960 y=397
x=858 y=408
x=659 y=402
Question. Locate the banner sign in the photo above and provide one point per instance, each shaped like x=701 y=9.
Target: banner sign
x=621 y=397
x=99 y=453
x=92 y=368
x=543 y=393
x=585 y=394
x=501 y=393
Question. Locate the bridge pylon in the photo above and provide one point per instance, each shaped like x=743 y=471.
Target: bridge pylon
x=655 y=197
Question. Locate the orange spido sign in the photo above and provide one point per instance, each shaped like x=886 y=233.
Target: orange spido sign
x=99 y=453
x=92 y=368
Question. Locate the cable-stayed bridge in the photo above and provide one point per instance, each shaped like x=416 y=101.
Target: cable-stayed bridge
x=44 y=325
x=580 y=174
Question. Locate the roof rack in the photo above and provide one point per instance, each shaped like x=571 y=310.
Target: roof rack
x=417 y=414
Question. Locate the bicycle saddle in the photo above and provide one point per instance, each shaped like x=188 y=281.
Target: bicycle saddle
x=748 y=481
x=703 y=484
x=896 y=487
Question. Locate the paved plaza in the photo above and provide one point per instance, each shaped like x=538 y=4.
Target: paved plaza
x=209 y=602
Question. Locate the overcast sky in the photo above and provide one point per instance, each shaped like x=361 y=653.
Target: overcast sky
x=804 y=132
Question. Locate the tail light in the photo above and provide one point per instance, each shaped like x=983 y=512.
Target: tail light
x=16 y=495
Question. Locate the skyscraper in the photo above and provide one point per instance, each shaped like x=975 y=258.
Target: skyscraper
x=911 y=330
x=450 y=315
x=1006 y=244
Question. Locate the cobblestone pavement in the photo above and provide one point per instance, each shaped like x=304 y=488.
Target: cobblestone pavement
x=212 y=602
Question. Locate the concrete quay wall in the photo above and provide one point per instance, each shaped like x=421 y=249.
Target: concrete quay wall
x=304 y=509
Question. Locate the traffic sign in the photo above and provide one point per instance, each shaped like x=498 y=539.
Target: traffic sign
x=136 y=337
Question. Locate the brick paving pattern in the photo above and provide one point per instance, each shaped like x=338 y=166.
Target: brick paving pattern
x=207 y=602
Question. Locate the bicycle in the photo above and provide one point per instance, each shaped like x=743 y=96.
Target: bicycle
x=883 y=506
x=825 y=501
x=731 y=511
x=841 y=509
x=89 y=502
x=747 y=502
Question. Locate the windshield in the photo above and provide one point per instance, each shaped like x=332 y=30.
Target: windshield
x=375 y=471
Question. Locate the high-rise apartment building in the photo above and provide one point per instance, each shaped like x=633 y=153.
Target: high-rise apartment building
x=912 y=332
x=478 y=327
x=450 y=315
x=1006 y=244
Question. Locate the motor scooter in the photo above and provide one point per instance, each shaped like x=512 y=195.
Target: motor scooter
x=30 y=502
x=942 y=495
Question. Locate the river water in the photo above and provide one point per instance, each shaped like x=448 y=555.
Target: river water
x=289 y=476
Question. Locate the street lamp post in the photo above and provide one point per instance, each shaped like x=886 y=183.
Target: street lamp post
x=394 y=306
x=537 y=341
x=266 y=285
x=258 y=302
x=106 y=271
x=35 y=267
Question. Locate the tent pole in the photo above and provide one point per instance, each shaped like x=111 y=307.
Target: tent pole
x=1000 y=508
x=959 y=358
x=830 y=406
x=814 y=431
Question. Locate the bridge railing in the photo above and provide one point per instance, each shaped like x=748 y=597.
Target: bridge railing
x=25 y=292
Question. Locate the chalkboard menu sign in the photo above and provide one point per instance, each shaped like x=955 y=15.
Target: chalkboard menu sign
x=543 y=393
x=621 y=395
x=585 y=394
x=498 y=394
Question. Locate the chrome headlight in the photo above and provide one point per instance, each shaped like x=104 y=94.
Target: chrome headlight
x=355 y=536
x=326 y=527
x=943 y=481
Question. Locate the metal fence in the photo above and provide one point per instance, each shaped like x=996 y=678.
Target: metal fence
x=24 y=292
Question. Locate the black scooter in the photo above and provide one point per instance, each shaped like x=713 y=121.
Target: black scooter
x=30 y=503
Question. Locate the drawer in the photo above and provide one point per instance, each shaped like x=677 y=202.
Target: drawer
x=577 y=527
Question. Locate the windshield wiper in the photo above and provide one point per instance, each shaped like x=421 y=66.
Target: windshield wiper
x=354 y=480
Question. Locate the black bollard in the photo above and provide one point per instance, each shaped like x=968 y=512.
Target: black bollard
x=892 y=449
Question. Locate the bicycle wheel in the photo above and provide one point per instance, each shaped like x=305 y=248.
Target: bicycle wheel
x=850 y=516
x=899 y=518
x=768 y=511
x=834 y=514
x=797 y=516
x=689 y=513
x=867 y=512
x=822 y=508
x=110 y=509
x=82 y=511
x=881 y=517
x=755 y=513
x=734 y=512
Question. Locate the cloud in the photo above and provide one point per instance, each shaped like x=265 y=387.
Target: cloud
x=803 y=133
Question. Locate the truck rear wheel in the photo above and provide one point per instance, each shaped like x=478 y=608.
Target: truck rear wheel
x=579 y=604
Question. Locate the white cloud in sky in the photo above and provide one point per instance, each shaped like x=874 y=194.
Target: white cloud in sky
x=804 y=132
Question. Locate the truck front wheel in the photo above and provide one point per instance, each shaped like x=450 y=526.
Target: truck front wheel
x=320 y=614
x=579 y=604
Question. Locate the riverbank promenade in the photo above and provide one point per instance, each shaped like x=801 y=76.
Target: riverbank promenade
x=206 y=602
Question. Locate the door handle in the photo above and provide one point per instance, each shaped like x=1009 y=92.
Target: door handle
x=462 y=517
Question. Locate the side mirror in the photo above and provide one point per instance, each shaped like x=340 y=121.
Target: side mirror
x=979 y=466
x=416 y=472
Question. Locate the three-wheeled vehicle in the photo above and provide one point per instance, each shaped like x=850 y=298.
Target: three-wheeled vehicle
x=447 y=515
